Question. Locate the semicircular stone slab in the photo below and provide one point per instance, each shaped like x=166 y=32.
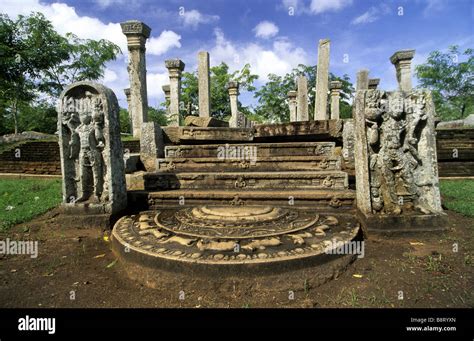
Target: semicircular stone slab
x=238 y=238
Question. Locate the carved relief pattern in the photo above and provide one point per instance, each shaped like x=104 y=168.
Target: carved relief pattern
x=394 y=125
x=182 y=234
x=84 y=119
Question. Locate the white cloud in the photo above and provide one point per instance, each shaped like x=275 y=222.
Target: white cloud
x=372 y=14
x=433 y=6
x=65 y=19
x=280 y=59
x=109 y=76
x=314 y=7
x=154 y=83
x=367 y=17
x=320 y=6
x=266 y=29
x=166 y=41
x=107 y=3
x=194 y=18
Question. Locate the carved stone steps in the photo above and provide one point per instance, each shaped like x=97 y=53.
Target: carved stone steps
x=316 y=198
x=313 y=130
x=277 y=163
x=189 y=134
x=261 y=150
x=329 y=180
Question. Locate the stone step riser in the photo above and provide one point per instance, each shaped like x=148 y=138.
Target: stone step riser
x=330 y=200
x=344 y=205
x=218 y=165
x=248 y=151
x=247 y=181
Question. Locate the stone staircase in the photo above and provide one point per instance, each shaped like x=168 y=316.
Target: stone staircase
x=289 y=173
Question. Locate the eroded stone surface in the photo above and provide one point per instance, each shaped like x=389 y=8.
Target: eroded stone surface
x=92 y=159
x=322 y=79
x=396 y=167
x=137 y=33
x=187 y=235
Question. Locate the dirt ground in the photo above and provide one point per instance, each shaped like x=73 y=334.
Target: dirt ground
x=76 y=268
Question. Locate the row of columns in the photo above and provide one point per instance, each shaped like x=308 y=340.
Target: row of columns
x=137 y=33
x=402 y=62
x=298 y=100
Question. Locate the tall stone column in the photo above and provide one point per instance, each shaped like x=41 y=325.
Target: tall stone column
x=292 y=104
x=236 y=119
x=137 y=34
x=175 y=67
x=204 y=84
x=402 y=61
x=362 y=80
x=335 y=87
x=302 y=109
x=129 y=107
x=166 y=91
x=374 y=83
x=322 y=79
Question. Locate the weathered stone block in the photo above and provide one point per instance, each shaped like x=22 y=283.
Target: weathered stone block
x=151 y=145
x=395 y=155
x=195 y=121
x=91 y=150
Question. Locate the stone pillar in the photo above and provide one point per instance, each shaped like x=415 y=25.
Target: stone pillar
x=237 y=118
x=374 y=83
x=166 y=90
x=322 y=79
x=402 y=61
x=137 y=34
x=204 y=84
x=175 y=67
x=348 y=142
x=335 y=87
x=89 y=128
x=151 y=146
x=292 y=104
x=129 y=107
x=302 y=107
x=362 y=80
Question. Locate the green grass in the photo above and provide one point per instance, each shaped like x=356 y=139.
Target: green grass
x=27 y=199
x=125 y=138
x=458 y=196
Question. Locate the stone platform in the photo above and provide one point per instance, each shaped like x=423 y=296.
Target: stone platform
x=230 y=240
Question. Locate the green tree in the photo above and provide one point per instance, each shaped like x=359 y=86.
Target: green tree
x=87 y=59
x=37 y=61
x=125 y=123
x=272 y=98
x=28 y=46
x=157 y=115
x=220 y=76
x=451 y=82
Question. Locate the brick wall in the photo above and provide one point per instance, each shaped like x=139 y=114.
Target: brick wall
x=455 y=148
x=41 y=157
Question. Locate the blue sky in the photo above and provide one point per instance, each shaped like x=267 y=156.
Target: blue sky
x=272 y=35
